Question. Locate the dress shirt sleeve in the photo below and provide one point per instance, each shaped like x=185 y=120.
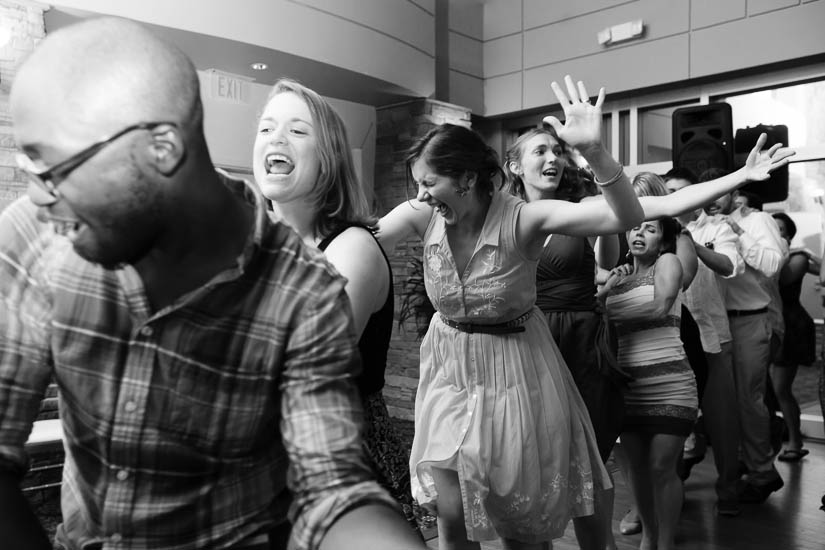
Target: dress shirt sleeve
x=760 y=245
x=25 y=361
x=323 y=418
x=725 y=242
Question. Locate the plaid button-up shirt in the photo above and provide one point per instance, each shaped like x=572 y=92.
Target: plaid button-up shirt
x=184 y=426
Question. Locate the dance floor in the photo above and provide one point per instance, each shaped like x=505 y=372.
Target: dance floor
x=789 y=520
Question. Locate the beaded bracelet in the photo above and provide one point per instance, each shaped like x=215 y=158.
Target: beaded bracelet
x=612 y=180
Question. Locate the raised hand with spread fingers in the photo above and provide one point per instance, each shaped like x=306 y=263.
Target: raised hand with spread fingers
x=582 y=120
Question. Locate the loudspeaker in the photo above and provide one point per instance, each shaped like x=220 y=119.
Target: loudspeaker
x=703 y=137
x=774 y=189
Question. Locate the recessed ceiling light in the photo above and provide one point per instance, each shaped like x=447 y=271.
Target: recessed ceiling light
x=259 y=66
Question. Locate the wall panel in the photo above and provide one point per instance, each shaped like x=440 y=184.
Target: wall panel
x=467 y=91
x=704 y=13
x=467 y=18
x=755 y=7
x=397 y=18
x=502 y=94
x=577 y=37
x=501 y=18
x=502 y=55
x=758 y=40
x=466 y=55
x=542 y=12
x=426 y=5
x=618 y=70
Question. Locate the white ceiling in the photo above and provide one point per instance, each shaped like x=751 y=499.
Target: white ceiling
x=209 y=52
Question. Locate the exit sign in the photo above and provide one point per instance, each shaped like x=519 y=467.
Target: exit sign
x=228 y=87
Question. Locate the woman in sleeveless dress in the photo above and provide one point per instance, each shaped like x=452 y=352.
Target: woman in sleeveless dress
x=660 y=399
x=539 y=166
x=799 y=342
x=300 y=135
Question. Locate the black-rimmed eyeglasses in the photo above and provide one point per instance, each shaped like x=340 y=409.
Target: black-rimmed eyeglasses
x=49 y=178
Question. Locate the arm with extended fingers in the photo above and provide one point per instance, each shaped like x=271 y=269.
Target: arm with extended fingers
x=758 y=167
x=618 y=210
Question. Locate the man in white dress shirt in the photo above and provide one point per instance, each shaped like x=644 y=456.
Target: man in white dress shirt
x=716 y=247
x=748 y=301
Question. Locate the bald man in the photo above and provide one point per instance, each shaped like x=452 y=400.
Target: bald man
x=204 y=356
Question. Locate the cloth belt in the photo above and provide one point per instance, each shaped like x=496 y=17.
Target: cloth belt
x=744 y=312
x=508 y=327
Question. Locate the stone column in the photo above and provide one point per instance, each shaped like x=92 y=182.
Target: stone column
x=399 y=126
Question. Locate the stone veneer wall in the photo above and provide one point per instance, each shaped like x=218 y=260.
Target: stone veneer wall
x=21 y=28
x=399 y=126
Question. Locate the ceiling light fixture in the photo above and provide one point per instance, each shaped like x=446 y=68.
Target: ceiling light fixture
x=259 y=66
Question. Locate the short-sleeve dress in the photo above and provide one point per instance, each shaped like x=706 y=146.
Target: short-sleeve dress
x=501 y=410
x=661 y=397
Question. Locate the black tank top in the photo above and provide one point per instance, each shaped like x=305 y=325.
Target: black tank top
x=375 y=340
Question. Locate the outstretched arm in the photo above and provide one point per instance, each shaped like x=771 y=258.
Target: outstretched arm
x=357 y=257
x=405 y=220
x=619 y=208
x=758 y=167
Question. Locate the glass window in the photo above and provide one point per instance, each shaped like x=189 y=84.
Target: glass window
x=798 y=107
x=624 y=137
x=607 y=134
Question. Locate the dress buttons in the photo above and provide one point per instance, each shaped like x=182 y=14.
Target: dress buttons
x=146 y=331
x=122 y=475
x=130 y=406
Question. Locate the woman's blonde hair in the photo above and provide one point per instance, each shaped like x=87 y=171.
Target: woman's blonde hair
x=648 y=184
x=338 y=196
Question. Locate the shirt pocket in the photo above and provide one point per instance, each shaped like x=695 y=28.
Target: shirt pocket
x=217 y=411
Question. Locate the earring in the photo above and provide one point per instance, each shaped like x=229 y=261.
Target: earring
x=461 y=191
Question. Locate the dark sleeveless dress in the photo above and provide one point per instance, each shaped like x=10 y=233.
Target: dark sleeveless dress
x=799 y=344
x=384 y=449
x=566 y=294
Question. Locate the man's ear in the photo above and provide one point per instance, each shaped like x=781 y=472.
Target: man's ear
x=470 y=178
x=168 y=149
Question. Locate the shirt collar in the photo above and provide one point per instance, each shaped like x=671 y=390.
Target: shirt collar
x=489 y=232
x=252 y=195
x=701 y=220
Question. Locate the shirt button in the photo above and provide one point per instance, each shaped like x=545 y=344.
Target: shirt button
x=130 y=406
x=146 y=331
x=122 y=475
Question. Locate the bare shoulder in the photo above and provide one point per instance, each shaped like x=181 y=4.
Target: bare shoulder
x=668 y=261
x=357 y=242
x=357 y=255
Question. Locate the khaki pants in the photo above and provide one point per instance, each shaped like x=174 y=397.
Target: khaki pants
x=751 y=359
x=720 y=411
